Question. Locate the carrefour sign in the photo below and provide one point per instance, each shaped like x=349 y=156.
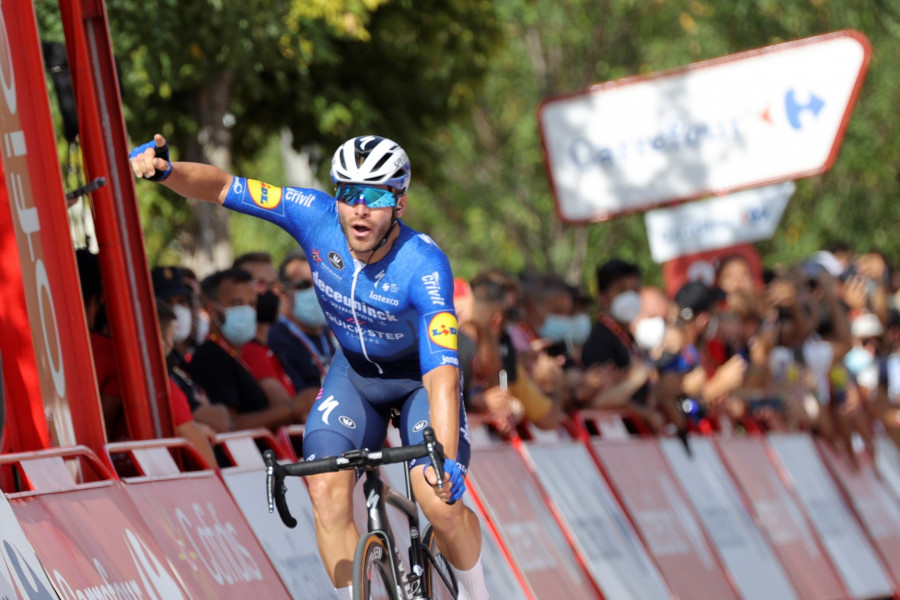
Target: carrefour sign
x=759 y=117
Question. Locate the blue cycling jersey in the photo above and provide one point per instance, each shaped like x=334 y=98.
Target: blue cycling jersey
x=393 y=318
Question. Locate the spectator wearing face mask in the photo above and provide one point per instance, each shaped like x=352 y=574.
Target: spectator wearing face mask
x=229 y=298
x=171 y=288
x=611 y=344
x=299 y=337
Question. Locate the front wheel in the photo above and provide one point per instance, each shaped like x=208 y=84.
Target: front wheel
x=373 y=578
x=440 y=583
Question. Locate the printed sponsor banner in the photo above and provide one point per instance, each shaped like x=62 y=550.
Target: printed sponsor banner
x=204 y=534
x=21 y=575
x=93 y=543
x=293 y=552
x=747 y=216
x=781 y=519
x=515 y=504
x=876 y=507
x=662 y=515
x=739 y=121
x=744 y=551
x=846 y=544
x=887 y=461
x=605 y=538
x=704 y=265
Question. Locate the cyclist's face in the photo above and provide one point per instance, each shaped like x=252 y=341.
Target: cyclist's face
x=364 y=227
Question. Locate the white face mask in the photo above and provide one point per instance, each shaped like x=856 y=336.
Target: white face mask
x=183 y=322
x=625 y=307
x=649 y=333
x=202 y=325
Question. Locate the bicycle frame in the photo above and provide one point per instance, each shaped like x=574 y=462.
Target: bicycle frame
x=378 y=495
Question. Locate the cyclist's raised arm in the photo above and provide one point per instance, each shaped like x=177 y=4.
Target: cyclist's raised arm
x=191 y=180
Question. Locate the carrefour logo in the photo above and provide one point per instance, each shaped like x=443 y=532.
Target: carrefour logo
x=264 y=195
x=442 y=330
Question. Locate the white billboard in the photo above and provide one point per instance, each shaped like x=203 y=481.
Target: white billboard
x=739 y=121
x=746 y=216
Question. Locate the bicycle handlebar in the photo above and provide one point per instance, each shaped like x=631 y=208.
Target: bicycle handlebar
x=363 y=460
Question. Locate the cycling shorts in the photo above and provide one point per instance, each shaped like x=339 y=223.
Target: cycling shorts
x=353 y=411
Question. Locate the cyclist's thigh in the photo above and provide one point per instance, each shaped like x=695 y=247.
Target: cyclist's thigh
x=340 y=419
x=415 y=416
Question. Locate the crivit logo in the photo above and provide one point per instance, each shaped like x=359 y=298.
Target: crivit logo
x=433 y=287
x=264 y=195
x=295 y=196
x=442 y=330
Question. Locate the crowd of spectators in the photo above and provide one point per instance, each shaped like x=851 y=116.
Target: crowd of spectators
x=814 y=347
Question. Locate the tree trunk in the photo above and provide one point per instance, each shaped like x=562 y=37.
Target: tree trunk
x=207 y=247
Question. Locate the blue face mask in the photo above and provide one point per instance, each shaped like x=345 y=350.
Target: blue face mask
x=858 y=359
x=306 y=308
x=572 y=330
x=240 y=324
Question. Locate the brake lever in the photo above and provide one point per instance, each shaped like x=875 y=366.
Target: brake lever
x=436 y=454
x=275 y=489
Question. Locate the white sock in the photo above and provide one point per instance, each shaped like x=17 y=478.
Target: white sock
x=345 y=593
x=471 y=583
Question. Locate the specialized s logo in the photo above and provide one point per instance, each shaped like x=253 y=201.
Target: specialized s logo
x=264 y=195
x=442 y=330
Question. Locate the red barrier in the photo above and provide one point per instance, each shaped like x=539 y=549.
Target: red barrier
x=21 y=575
x=850 y=551
x=90 y=537
x=596 y=522
x=198 y=525
x=293 y=552
x=513 y=501
x=745 y=553
x=875 y=507
x=664 y=519
x=782 y=519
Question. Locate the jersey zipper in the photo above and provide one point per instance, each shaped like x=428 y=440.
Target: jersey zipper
x=358 y=267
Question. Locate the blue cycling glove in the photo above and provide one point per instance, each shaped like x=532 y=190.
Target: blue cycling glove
x=457 y=479
x=162 y=153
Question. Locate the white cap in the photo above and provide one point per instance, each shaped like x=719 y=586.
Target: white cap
x=829 y=262
x=866 y=325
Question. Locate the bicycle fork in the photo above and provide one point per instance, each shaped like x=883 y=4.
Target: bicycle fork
x=378 y=495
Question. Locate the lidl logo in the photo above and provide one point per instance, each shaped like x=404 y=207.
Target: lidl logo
x=264 y=195
x=442 y=330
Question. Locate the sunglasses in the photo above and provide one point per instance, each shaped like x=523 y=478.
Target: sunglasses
x=372 y=197
x=299 y=285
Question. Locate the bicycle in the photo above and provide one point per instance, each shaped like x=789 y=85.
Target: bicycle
x=378 y=571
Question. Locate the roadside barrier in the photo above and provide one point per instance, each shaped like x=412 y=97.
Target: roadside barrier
x=664 y=518
x=842 y=536
x=293 y=552
x=743 y=549
x=197 y=523
x=564 y=514
x=780 y=517
x=595 y=521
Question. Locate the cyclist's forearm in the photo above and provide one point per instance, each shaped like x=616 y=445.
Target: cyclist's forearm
x=199 y=181
x=442 y=385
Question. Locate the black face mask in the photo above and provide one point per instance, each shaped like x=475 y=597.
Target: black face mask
x=267 y=307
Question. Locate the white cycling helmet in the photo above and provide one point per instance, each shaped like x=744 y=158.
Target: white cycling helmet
x=371 y=160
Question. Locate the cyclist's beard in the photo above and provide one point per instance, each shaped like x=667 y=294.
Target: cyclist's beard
x=361 y=248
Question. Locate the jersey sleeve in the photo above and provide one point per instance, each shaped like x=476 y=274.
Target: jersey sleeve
x=431 y=293
x=292 y=209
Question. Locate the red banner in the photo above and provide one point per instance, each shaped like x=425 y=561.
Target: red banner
x=664 y=519
x=58 y=332
x=781 y=518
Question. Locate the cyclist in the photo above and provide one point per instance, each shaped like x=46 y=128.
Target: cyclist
x=387 y=294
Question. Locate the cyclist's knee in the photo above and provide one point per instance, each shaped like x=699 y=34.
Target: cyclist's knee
x=331 y=495
x=442 y=516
